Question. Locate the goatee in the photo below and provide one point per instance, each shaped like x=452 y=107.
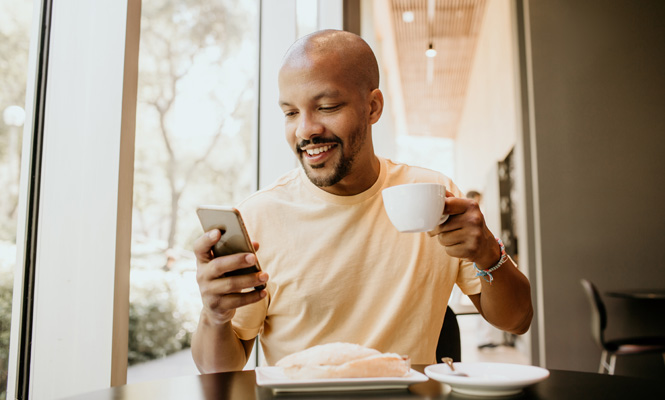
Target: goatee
x=341 y=167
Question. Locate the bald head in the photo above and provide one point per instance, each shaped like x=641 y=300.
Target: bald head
x=340 y=49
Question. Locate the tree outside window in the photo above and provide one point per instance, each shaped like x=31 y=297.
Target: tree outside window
x=195 y=135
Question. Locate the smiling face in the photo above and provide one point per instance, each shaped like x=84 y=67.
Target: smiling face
x=329 y=109
x=325 y=122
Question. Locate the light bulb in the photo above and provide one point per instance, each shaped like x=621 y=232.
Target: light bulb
x=430 y=52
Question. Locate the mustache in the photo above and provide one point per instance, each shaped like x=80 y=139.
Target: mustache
x=318 y=140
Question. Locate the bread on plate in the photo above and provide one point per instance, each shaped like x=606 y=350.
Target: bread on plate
x=343 y=360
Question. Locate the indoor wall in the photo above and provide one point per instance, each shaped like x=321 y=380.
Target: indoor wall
x=594 y=86
x=489 y=126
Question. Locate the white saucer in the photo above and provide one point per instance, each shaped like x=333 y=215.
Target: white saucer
x=488 y=379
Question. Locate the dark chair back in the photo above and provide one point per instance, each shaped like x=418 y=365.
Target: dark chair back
x=449 y=339
x=598 y=313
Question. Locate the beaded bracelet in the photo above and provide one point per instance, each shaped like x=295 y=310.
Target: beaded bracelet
x=488 y=272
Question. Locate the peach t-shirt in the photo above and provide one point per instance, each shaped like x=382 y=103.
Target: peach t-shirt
x=340 y=271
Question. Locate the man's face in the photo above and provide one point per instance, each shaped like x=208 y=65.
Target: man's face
x=326 y=121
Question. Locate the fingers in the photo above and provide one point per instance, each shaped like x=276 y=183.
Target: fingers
x=439 y=229
x=462 y=212
x=204 y=243
x=211 y=279
x=234 y=284
x=453 y=207
x=456 y=205
x=466 y=244
x=222 y=308
x=446 y=210
x=447 y=237
x=465 y=234
x=221 y=295
x=218 y=266
x=237 y=300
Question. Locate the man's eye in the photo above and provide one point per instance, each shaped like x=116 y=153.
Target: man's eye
x=329 y=108
x=290 y=113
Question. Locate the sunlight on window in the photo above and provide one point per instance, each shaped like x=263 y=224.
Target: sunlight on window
x=195 y=137
x=15 y=20
x=307 y=12
x=429 y=152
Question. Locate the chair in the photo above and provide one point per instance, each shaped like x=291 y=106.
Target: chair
x=616 y=347
x=449 y=344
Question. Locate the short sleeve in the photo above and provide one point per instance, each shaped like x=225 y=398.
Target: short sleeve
x=467 y=280
x=248 y=320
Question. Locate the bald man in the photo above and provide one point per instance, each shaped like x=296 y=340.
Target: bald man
x=335 y=268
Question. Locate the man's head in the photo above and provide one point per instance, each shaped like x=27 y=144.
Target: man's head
x=329 y=94
x=474 y=195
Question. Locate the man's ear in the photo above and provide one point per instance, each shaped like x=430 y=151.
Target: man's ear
x=376 y=105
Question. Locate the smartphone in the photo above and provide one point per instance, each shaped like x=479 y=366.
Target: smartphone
x=235 y=238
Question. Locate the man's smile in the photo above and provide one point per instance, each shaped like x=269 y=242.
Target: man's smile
x=317 y=153
x=318 y=150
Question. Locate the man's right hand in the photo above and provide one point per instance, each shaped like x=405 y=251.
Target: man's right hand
x=221 y=295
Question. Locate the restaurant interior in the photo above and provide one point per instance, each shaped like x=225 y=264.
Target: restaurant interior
x=552 y=110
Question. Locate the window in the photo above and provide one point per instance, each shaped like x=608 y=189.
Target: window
x=87 y=173
x=15 y=20
x=195 y=144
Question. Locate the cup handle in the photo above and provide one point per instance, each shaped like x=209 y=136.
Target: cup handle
x=443 y=219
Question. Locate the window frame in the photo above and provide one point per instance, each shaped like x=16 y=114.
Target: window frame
x=89 y=52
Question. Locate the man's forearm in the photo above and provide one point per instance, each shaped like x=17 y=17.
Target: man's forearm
x=506 y=303
x=216 y=348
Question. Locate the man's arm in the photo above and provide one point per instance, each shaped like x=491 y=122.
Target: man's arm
x=506 y=302
x=215 y=346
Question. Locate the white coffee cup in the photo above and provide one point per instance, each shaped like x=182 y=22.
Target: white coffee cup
x=415 y=207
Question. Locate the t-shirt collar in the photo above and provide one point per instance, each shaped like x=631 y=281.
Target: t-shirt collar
x=354 y=199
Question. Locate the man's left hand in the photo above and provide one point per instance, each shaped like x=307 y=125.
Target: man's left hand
x=465 y=235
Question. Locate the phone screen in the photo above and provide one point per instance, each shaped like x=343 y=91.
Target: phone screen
x=234 y=239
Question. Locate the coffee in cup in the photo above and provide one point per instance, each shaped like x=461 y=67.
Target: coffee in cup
x=415 y=207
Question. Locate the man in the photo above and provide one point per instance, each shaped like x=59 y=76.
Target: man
x=474 y=195
x=338 y=269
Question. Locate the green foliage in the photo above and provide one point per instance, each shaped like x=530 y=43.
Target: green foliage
x=6 y=282
x=156 y=326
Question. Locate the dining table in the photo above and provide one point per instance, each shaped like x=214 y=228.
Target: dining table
x=241 y=385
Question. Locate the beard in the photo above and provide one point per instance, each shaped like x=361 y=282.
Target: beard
x=340 y=167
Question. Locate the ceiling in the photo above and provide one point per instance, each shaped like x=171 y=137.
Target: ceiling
x=433 y=89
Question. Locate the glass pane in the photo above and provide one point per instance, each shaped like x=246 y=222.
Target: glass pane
x=307 y=12
x=429 y=152
x=195 y=144
x=15 y=21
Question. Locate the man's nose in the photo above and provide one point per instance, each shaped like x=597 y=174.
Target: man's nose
x=308 y=126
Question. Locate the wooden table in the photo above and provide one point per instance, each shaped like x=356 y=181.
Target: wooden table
x=242 y=385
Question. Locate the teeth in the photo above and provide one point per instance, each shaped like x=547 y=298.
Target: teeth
x=313 y=152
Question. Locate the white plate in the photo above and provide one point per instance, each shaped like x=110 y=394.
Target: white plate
x=488 y=379
x=274 y=378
